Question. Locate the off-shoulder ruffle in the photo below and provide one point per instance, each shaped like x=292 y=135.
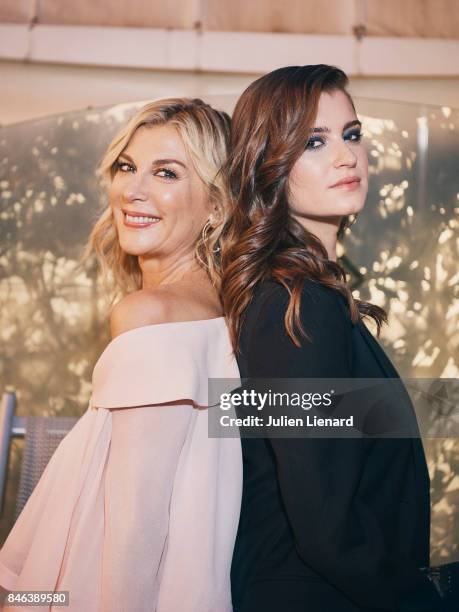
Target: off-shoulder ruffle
x=146 y=366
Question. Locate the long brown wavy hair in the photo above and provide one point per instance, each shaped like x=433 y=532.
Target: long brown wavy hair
x=260 y=239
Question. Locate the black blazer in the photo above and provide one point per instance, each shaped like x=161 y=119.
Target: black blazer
x=327 y=525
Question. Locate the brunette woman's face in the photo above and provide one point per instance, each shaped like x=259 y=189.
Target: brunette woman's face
x=158 y=201
x=333 y=152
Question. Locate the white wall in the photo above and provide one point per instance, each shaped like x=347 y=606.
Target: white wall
x=36 y=90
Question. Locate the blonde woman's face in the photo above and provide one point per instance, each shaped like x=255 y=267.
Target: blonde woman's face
x=333 y=152
x=158 y=201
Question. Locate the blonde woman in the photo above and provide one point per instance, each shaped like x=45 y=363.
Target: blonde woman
x=138 y=508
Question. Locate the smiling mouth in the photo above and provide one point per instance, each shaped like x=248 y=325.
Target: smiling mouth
x=139 y=221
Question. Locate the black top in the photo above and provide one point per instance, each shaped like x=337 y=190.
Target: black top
x=327 y=525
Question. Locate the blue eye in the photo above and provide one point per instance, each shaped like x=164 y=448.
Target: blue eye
x=310 y=144
x=354 y=136
x=167 y=174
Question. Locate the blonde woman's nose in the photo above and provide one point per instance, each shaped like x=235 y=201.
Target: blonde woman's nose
x=135 y=189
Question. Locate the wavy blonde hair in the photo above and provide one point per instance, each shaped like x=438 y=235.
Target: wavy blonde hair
x=205 y=133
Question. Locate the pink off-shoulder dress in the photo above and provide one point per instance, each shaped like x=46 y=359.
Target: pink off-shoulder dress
x=138 y=508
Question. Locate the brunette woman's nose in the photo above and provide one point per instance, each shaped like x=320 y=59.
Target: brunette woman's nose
x=344 y=156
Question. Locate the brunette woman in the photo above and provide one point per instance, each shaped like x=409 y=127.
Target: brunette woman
x=327 y=524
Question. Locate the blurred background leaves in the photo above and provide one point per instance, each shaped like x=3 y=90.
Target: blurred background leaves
x=401 y=253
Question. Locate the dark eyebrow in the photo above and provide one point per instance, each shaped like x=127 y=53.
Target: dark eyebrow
x=156 y=162
x=321 y=130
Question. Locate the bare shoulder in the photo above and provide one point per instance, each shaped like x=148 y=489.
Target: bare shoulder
x=164 y=304
x=142 y=307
